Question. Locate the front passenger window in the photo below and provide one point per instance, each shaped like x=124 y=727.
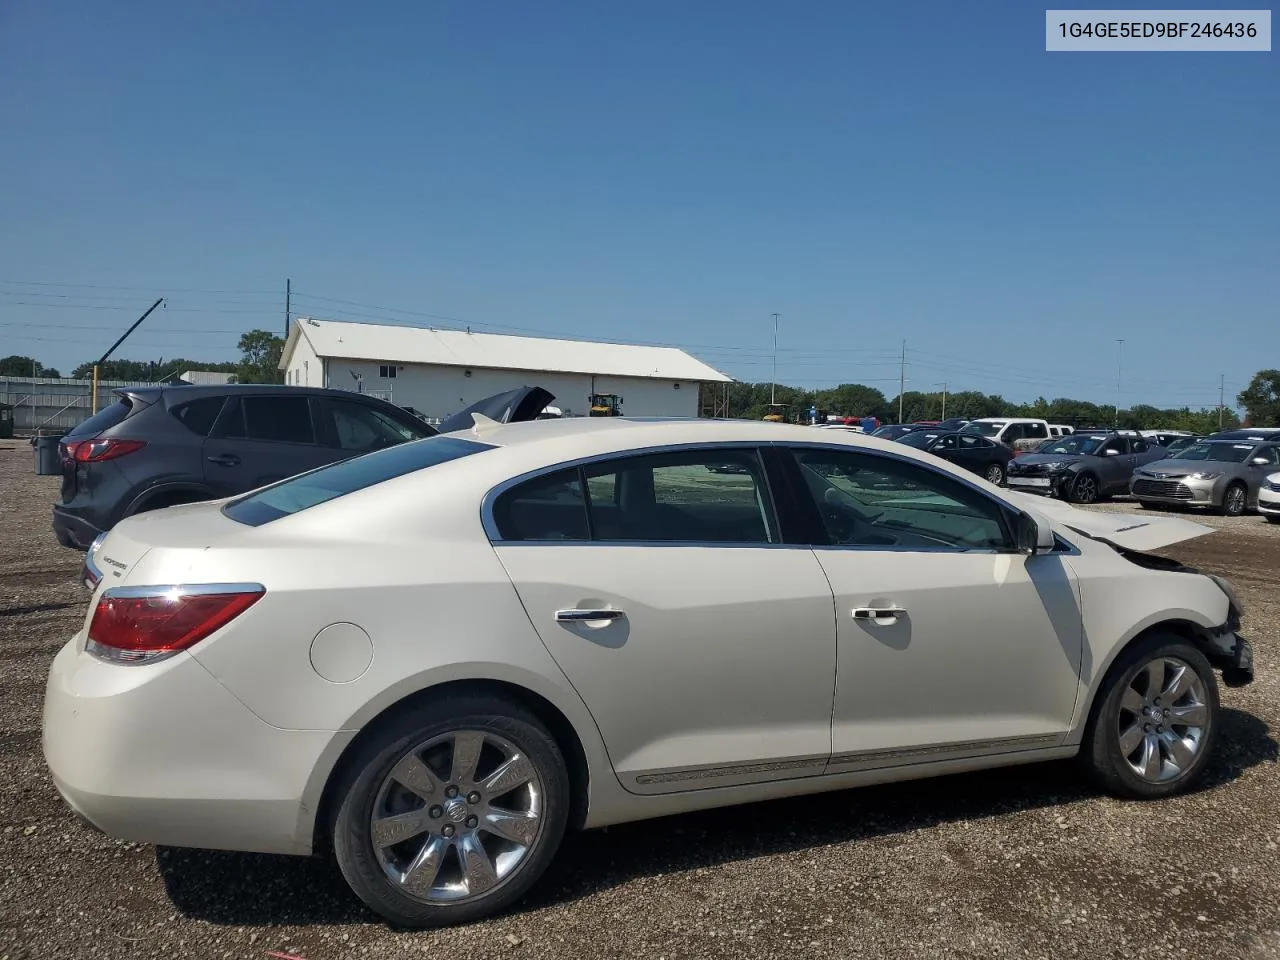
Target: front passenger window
x=872 y=501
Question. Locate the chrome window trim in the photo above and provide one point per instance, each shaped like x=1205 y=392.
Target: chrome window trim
x=180 y=590
x=490 y=524
x=891 y=455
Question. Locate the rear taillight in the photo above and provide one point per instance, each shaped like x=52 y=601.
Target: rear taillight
x=94 y=451
x=145 y=624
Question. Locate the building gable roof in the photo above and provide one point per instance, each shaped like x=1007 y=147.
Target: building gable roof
x=459 y=348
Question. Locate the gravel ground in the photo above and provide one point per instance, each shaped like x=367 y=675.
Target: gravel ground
x=1023 y=862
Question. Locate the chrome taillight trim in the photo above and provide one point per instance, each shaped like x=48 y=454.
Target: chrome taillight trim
x=181 y=590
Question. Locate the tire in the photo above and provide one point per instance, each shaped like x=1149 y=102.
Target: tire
x=422 y=746
x=1272 y=519
x=1116 y=723
x=1151 y=505
x=1235 y=500
x=1085 y=489
x=994 y=474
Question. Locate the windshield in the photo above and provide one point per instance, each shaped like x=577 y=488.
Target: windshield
x=1073 y=445
x=985 y=429
x=918 y=439
x=1220 y=452
x=309 y=489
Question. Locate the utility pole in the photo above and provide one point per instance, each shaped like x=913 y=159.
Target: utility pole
x=902 y=379
x=1222 y=383
x=103 y=358
x=1119 y=368
x=944 y=398
x=288 y=295
x=773 y=387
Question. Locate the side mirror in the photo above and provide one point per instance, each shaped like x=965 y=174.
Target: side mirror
x=1261 y=462
x=1034 y=535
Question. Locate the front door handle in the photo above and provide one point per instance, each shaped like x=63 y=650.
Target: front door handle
x=586 y=616
x=225 y=460
x=882 y=615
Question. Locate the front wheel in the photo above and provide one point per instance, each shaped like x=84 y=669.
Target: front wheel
x=1085 y=489
x=1272 y=518
x=1234 y=500
x=452 y=812
x=1154 y=719
x=1150 y=505
x=995 y=474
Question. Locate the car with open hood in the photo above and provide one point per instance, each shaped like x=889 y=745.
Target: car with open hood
x=432 y=660
x=1082 y=467
x=1222 y=475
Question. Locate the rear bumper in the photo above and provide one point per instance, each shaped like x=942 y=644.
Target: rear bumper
x=73 y=531
x=164 y=754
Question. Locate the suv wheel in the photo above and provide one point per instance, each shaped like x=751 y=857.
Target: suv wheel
x=1084 y=489
x=451 y=812
x=1235 y=499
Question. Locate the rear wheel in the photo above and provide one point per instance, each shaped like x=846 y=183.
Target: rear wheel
x=995 y=474
x=1235 y=499
x=1154 y=719
x=452 y=812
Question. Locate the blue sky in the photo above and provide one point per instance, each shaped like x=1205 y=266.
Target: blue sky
x=660 y=172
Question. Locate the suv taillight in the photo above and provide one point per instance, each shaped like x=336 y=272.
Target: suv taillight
x=145 y=624
x=94 y=451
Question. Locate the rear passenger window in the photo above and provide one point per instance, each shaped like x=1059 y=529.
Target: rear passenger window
x=695 y=496
x=1035 y=431
x=275 y=419
x=549 y=507
x=198 y=416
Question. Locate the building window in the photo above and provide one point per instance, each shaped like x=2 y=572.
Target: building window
x=387 y=371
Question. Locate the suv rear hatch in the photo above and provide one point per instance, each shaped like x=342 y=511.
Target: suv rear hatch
x=130 y=404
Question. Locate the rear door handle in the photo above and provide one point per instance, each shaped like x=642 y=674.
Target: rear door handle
x=225 y=460
x=581 y=616
x=878 y=614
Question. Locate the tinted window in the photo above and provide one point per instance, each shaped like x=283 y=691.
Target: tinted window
x=1221 y=452
x=275 y=419
x=1115 y=445
x=975 y=443
x=696 y=496
x=347 y=476
x=104 y=419
x=919 y=439
x=198 y=416
x=1035 y=431
x=549 y=507
x=1271 y=454
x=358 y=426
x=872 y=501
x=1140 y=446
x=946 y=443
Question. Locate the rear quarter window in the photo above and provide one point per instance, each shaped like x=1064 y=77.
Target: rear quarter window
x=104 y=419
x=198 y=416
x=347 y=476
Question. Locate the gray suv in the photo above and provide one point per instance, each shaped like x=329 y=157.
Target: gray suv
x=164 y=445
x=1082 y=467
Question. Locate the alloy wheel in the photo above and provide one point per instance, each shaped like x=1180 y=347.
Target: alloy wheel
x=995 y=474
x=1233 y=501
x=1085 y=489
x=1162 y=719
x=457 y=816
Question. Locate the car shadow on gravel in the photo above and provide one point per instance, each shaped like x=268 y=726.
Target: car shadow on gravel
x=258 y=889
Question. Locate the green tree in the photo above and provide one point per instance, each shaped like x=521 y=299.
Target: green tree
x=260 y=352
x=19 y=366
x=1261 y=399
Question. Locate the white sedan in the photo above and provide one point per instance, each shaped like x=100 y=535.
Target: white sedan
x=1269 y=498
x=434 y=659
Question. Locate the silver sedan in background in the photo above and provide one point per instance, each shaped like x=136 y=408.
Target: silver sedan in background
x=1221 y=474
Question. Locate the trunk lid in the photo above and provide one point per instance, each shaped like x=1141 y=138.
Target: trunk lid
x=158 y=547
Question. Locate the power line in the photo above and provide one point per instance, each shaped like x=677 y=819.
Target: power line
x=104 y=286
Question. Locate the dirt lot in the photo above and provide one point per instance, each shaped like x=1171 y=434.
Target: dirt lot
x=1025 y=862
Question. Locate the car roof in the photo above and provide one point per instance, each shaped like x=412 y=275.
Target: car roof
x=197 y=390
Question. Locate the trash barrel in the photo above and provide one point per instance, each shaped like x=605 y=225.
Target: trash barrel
x=48 y=460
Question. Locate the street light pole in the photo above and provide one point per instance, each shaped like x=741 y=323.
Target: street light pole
x=773 y=387
x=944 y=397
x=1119 y=368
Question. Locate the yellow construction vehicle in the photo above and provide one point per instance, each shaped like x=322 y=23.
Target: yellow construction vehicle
x=777 y=413
x=606 y=405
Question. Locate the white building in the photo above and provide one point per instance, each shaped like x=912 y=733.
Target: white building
x=438 y=372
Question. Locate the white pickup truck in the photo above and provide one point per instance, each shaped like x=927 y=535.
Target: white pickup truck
x=1020 y=433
